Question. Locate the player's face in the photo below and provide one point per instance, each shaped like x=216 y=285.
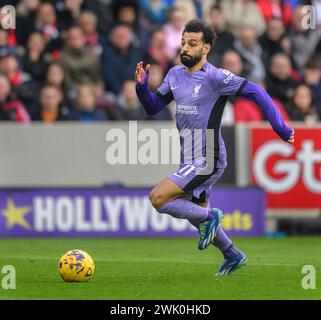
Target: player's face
x=193 y=48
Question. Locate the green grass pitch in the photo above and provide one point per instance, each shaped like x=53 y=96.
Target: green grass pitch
x=162 y=268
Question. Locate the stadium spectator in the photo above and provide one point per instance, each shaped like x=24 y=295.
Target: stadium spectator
x=225 y=39
x=74 y=6
x=272 y=40
x=294 y=3
x=22 y=86
x=103 y=11
x=304 y=40
x=79 y=63
x=88 y=23
x=35 y=60
x=104 y=39
x=246 y=111
x=85 y=105
x=5 y=47
x=276 y=9
x=240 y=12
x=68 y=13
x=51 y=108
x=25 y=20
x=130 y=107
x=231 y=60
x=11 y=109
x=251 y=52
x=106 y=101
x=127 y=12
x=303 y=108
x=155 y=10
x=196 y=8
x=129 y=104
x=55 y=75
x=119 y=58
x=156 y=50
x=173 y=30
x=46 y=24
x=9 y=67
x=280 y=84
x=312 y=78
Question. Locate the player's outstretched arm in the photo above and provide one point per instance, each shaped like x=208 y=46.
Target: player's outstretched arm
x=152 y=102
x=257 y=94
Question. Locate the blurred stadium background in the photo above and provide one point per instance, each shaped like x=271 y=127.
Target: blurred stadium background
x=66 y=79
x=71 y=64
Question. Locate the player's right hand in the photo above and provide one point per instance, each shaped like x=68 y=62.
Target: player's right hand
x=141 y=75
x=291 y=139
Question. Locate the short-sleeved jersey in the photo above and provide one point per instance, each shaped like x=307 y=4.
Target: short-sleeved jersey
x=200 y=98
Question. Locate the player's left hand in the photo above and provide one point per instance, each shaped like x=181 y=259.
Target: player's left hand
x=291 y=139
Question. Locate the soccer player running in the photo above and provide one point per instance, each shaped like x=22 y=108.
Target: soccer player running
x=200 y=91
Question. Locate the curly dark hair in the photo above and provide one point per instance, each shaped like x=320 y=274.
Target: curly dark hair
x=197 y=25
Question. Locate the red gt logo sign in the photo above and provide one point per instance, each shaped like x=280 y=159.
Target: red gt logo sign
x=290 y=174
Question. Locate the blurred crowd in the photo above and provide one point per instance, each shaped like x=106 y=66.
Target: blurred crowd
x=75 y=59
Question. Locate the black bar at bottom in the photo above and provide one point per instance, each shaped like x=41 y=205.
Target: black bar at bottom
x=159 y=309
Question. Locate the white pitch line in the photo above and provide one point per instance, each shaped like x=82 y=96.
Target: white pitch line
x=159 y=261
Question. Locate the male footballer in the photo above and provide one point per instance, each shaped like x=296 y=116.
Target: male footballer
x=200 y=91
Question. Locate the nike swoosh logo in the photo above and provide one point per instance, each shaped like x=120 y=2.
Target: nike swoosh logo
x=173 y=88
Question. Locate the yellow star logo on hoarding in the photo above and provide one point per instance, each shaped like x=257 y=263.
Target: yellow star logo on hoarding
x=16 y=215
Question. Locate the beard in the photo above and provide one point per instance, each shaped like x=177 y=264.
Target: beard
x=190 y=61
